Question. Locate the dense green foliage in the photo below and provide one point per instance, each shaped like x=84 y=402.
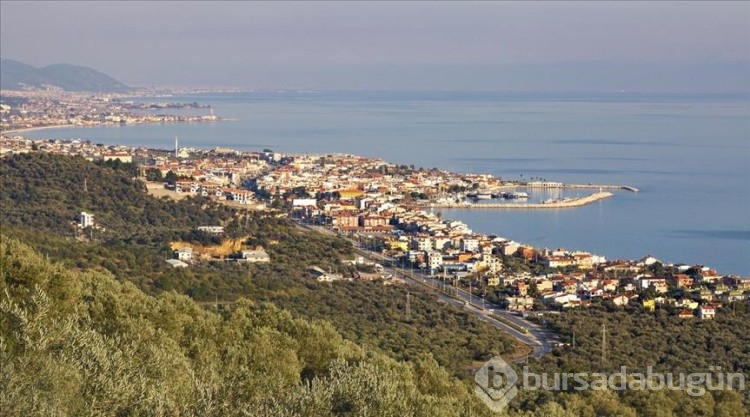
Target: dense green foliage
x=637 y=339
x=83 y=344
x=47 y=192
x=369 y=314
x=105 y=327
x=375 y=315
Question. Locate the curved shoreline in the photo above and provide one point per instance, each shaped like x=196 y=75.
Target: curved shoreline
x=18 y=132
x=578 y=202
x=32 y=129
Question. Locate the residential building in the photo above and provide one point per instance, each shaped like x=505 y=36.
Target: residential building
x=345 y=220
x=559 y=261
x=520 y=303
x=184 y=254
x=441 y=243
x=469 y=245
x=493 y=281
x=526 y=252
x=85 y=220
x=122 y=157
x=510 y=248
x=685 y=314
x=434 y=260
x=253 y=256
x=706 y=312
x=621 y=300
x=322 y=276
x=683 y=280
x=214 y=230
x=421 y=243
x=370 y=221
x=238 y=196
x=686 y=303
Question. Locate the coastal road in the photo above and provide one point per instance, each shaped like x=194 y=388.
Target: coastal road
x=534 y=336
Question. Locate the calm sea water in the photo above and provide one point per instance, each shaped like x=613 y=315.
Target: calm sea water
x=688 y=154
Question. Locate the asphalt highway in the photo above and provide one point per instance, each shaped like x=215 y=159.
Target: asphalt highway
x=534 y=336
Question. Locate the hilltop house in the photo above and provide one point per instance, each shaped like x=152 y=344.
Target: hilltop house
x=706 y=312
x=85 y=220
x=253 y=256
x=184 y=254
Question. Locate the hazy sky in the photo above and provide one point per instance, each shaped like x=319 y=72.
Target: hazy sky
x=647 y=46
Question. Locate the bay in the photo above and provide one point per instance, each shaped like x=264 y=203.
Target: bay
x=688 y=155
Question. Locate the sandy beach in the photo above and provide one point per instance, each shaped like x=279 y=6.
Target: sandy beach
x=31 y=129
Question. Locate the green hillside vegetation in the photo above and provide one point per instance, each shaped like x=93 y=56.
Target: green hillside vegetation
x=140 y=227
x=47 y=192
x=96 y=323
x=84 y=344
x=637 y=339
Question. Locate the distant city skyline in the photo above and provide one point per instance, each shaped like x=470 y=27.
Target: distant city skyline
x=520 y=46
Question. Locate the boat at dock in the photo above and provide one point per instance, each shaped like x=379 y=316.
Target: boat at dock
x=516 y=195
x=481 y=195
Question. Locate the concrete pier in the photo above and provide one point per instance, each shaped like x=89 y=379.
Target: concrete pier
x=577 y=202
x=600 y=186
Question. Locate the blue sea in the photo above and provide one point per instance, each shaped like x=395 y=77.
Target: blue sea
x=688 y=154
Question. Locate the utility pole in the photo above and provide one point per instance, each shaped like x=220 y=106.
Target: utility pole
x=604 y=343
x=408 y=305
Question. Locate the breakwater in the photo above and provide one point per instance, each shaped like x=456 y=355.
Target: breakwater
x=533 y=185
x=602 y=187
x=568 y=203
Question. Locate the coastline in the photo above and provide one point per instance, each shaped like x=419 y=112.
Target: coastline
x=17 y=132
x=32 y=129
x=538 y=214
x=536 y=207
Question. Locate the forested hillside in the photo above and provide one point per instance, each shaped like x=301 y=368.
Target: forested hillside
x=140 y=227
x=47 y=192
x=83 y=344
x=97 y=323
x=600 y=340
x=637 y=338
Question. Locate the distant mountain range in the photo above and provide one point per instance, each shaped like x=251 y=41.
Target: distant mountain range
x=15 y=75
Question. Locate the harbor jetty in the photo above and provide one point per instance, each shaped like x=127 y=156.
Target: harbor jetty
x=598 y=186
x=566 y=203
x=551 y=184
